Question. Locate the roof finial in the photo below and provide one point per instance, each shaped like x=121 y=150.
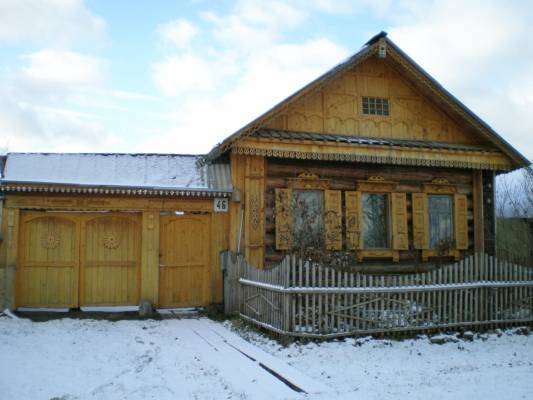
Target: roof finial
x=375 y=38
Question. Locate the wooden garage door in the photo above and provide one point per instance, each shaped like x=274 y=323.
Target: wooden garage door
x=184 y=278
x=48 y=272
x=75 y=259
x=110 y=268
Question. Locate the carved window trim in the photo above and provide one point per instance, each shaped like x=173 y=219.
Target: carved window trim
x=332 y=214
x=441 y=186
x=377 y=184
x=309 y=181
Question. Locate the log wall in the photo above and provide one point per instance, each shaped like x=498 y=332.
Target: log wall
x=343 y=176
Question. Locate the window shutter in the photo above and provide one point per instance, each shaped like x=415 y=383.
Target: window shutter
x=353 y=219
x=283 y=219
x=400 y=239
x=420 y=220
x=333 y=219
x=461 y=222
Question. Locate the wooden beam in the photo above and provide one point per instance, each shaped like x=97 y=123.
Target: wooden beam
x=238 y=166
x=102 y=203
x=11 y=242
x=254 y=210
x=220 y=242
x=477 y=196
x=150 y=257
x=489 y=213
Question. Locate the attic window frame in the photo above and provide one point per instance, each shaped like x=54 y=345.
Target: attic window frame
x=375 y=106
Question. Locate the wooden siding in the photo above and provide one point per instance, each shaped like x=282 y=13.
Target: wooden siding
x=344 y=177
x=337 y=108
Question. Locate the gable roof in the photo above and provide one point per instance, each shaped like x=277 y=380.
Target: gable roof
x=409 y=66
x=152 y=172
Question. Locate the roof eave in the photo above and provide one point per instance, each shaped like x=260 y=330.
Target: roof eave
x=44 y=185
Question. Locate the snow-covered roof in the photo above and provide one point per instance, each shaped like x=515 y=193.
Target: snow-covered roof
x=172 y=171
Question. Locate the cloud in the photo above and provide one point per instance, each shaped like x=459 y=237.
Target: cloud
x=482 y=54
x=56 y=101
x=178 y=32
x=27 y=127
x=52 y=22
x=51 y=66
x=247 y=67
x=181 y=73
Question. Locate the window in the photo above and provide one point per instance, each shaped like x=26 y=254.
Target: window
x=375 y=106
x=440 y=210
x=308 y=217
x=375 y=207
x=308 y=214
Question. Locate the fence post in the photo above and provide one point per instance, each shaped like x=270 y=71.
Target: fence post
x=285 y=265
x=230 y=274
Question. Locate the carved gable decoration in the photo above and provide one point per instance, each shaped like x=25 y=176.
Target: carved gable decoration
x=338 y=108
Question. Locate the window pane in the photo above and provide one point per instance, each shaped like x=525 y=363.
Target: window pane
x=308 y=220
x=375 y=105
x=375 y=220
x=440 y=220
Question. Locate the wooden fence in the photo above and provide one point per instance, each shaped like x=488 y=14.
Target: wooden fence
x=302 y=299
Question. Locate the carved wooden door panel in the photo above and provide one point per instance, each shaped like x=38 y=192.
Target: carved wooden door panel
x=110 y=260
x=47 y=275
x=184 y=277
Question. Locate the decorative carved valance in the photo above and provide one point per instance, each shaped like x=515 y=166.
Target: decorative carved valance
x=439 y=185
x=308 y=180
x=376 y=183
x=425 y=159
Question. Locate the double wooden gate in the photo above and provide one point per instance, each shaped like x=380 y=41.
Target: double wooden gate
x=78 y=259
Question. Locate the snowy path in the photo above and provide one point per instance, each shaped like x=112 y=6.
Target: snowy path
x=188 y=358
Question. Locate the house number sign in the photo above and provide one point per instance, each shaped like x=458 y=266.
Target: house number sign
x=221 y=204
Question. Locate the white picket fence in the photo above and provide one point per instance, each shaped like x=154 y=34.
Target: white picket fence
x=302 y=299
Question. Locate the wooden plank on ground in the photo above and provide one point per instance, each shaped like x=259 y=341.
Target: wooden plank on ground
x=279 y=367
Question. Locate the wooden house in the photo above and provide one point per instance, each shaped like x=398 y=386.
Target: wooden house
x=391 y=164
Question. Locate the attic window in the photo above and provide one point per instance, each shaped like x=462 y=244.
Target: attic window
x=375 y=105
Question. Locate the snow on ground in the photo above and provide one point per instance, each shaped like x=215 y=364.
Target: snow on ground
x=489 y=367
x=178 y=359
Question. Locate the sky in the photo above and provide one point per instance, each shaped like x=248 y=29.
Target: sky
x=179 y=76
